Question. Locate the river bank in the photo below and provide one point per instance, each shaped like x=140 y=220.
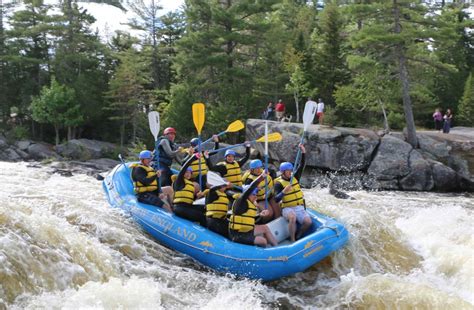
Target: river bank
x=338 y=158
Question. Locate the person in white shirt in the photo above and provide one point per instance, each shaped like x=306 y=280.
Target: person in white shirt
x=320 y=111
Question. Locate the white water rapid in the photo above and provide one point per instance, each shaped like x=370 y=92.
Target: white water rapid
x=63 y=247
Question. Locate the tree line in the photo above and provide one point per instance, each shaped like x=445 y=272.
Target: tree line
x=376 y=64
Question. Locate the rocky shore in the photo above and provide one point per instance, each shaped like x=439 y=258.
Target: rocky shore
x=351 y=158
x=341 y=158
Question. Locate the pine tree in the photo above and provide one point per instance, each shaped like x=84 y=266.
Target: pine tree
x=466 y=107
x=398 y=33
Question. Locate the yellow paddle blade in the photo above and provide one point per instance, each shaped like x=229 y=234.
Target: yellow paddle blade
x=235 y=126
x=198 y=116
x=272 y=137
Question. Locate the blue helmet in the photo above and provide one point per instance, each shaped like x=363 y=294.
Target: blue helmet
x=254 y=192
x=286 y=166
x=230 y=152
x=190 y=169
x=256 y=163
x=194 y=142
x=145 y=155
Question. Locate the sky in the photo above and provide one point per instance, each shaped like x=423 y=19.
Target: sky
x=110 y=18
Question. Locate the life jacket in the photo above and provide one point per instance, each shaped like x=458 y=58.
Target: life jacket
x=164 y=158
x=142 y=188
x=186 y=194
x=218 y=208
x=233 y=174
x=246 y=221
x=293 y=198
x=261 y=185
x=195 y=165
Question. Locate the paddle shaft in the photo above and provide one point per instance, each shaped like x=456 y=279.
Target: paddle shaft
x=298 y=156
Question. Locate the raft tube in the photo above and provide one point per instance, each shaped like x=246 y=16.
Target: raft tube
x=219 y=253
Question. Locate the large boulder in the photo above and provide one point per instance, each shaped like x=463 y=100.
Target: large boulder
x=40 y=151
x=85 y=149
x=342 y=149
x=391 y=162
x=420 y=177
x=444 y=177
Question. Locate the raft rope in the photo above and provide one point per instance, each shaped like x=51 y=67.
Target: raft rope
x=270 y=259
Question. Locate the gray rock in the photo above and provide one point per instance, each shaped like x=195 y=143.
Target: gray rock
x=9 y=154
x=84 y=149
x=420 y=177
x=334 y=148
x=439 y=149
x=444 y=177
x=40 y=151
x=23 y=145
x=391 y=160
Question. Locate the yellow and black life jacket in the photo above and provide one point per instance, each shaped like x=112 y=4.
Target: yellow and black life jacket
x=293 y=198
x=186 y=194
x=234 y=174
x=261 y=185
x=195 y=165
x=244 y=222
x=141 y=188
x=218 y=208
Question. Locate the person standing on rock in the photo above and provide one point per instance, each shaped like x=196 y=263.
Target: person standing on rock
x=280 y=110
x=438 y=119
x=448 y=117
x=320 y=111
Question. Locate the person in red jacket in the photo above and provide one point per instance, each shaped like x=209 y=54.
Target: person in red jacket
x=280 y=110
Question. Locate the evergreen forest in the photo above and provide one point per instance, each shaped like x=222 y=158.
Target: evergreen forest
x=376 y=64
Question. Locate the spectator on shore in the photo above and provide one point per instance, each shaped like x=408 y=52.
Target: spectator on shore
x=269 y=113
x=320 y=111
x=280 y=110
x=438 y=119
x=448 y=117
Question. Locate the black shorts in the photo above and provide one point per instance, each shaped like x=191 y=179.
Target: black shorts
x=219 y=226
x=245 y=238
x=150 y=199
x=194 y=213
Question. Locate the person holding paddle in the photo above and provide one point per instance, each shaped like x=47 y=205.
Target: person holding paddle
x=202 y=161
x=267 y=206
x=167 y=151
x=230 y=168
x=289 y=193
x=185 y=191
x=217 y=205
x=242 y=228
x=145 y=182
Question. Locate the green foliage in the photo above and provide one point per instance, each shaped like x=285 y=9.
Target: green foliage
x=56 y=105
x=466 y=108
x=396 y=120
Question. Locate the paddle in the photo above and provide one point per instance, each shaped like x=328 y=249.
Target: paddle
x=198 y=119
x=266 y=163
x=154 y=123
x=308 y=116
x=272 y=137
x=233 y=127
x=214 y=179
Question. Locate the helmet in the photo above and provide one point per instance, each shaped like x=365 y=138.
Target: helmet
x=286 y=166
x=169 y=130
x=145 y=155
x=230 y=152
x=194 y=142
x=256 y=163
x=190 y=169
x=254 y=192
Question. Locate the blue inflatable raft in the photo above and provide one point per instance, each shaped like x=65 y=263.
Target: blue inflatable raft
x=218 y=252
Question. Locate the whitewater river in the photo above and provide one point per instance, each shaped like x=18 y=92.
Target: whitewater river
x=62 y=246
